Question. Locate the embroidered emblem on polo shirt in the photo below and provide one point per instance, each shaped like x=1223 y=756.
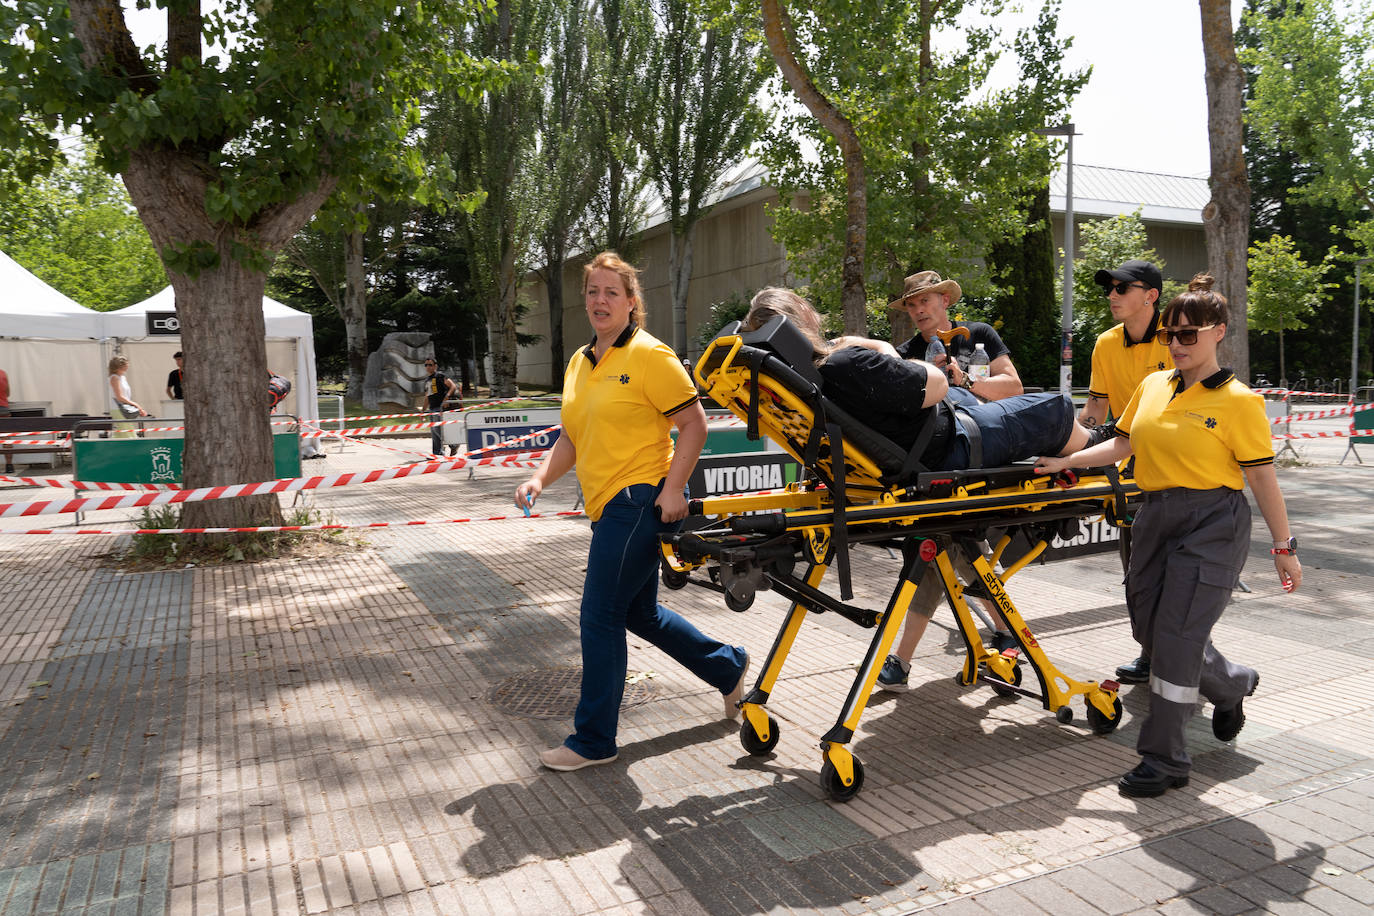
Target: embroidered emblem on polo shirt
x=1160 y=364
x=1211 y=422
x=624 y=379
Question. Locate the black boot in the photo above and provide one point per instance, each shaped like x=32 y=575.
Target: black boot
x=1147 y=782
x=1136 y=672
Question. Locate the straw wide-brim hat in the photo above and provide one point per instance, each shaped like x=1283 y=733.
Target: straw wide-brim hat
x=927 y=281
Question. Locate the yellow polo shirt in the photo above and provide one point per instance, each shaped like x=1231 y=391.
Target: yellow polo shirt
x=1119 y=364
x=1199 y=437
x=617 y=413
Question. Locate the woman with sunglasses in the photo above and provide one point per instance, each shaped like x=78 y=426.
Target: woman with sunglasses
x=1199 y=435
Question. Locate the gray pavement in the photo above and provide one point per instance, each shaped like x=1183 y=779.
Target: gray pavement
x=356 y=733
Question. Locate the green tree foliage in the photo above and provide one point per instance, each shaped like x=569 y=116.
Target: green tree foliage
x=1026 y=305
x=565 y=180
x=704 y=74
x=1284 y=289
x=229 y=139
x=1308 y=124
x=946 y=159
x=617 y=68
x=491 y=140
x=76 y=230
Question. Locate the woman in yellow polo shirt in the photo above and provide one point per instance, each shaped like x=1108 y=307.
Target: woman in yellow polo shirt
x=622 y=394
x=1199 y=435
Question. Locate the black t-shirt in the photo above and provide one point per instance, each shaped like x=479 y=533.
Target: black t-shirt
x=436 y=388
x=961 y=348
x=174 y=383
x=885 y=394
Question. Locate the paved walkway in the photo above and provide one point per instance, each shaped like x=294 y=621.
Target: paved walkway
x=357 y=734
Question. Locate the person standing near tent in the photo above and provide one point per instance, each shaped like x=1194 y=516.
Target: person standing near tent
x=175 y=378
x=122 y=405
x=4 y=394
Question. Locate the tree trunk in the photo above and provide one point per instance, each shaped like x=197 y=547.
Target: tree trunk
x=501 y=328
x=353 y=311
x=1283 y=371
x=853 y=299
x=679 y=281
x=553 y=281
x=223 y=333
x=1226 y=218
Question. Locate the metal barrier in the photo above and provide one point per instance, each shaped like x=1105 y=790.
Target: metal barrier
x=335 y=413
x=1361 y=419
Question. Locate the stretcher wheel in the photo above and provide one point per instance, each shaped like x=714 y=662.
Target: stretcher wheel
x=752 y=743
x=674 y=579
x=738 y=604
x=830 y=781
x=1006 y=691
x=1065 y=713
x=1100 y=724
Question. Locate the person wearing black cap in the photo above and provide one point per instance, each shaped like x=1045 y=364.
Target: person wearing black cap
x=1122 y=357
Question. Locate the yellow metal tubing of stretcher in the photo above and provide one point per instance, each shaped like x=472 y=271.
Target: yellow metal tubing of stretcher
x=795 y=616
x=790 y=499
x=1059 y=687
x=734 y=343
x=891 y=624
x=1022 y=563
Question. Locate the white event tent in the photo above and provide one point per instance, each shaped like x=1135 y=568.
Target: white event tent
x=56 y=352
x=290 y=350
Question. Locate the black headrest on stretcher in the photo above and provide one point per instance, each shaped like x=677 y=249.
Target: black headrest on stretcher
x=790 y=363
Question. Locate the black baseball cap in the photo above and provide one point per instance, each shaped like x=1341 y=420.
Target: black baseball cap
x=1132 y=272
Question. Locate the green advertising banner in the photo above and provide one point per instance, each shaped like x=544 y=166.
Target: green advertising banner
x=159 y=460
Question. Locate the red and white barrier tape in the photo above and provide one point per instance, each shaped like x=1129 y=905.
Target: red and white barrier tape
x=1339 y=434
x=1302 y=394
x=533 y=516
x=285 y=485
x=1346 y=411
x=87 y=484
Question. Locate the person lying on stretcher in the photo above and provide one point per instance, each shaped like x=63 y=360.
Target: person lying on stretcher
x=897 y=397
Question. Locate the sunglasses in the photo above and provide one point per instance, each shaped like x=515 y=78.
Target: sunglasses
x=431 y=364
x=1120 y=286
x=1185 y=336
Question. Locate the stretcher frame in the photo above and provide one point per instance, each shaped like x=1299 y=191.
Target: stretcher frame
x=756 y=542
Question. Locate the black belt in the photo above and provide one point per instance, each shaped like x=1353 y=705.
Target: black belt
x=975 y=438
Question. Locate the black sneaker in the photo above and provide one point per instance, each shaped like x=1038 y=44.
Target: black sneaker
x=1147 y=782
x=894 y=674
x=1136 y=672
x=1001 y=641
x=1227 y=723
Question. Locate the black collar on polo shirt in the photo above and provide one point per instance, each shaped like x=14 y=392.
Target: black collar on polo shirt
x=620 y=341
x=1149 y=332
x=1215 y=380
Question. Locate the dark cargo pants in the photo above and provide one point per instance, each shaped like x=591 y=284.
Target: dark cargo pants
x=1188 y=548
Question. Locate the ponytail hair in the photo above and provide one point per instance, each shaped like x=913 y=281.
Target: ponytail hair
x=1201 y=304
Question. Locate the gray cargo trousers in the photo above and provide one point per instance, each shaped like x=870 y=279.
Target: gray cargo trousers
x=1188 y=548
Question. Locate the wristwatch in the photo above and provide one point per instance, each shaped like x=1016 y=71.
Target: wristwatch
x=1289 y=547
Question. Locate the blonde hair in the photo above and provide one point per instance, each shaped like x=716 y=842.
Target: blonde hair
x=772 y=301
x=117 y=363
x=629 y=278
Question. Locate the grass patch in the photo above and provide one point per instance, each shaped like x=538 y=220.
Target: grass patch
x=176 y=551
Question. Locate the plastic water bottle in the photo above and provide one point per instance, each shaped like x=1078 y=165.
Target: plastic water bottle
x=934 y=350
x=978 y=365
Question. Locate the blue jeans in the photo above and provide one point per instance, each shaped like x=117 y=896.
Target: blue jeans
x=620 y=594
x=436 y=433
x=1014 y=429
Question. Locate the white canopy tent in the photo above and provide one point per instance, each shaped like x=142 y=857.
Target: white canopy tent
x=290 y=350
x=56 y=352
x=50 y=347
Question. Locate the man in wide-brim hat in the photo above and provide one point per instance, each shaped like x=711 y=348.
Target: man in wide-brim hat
x=926 y=299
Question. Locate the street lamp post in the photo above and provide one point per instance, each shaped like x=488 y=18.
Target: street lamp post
x=1355 y=335
x=1066 y=331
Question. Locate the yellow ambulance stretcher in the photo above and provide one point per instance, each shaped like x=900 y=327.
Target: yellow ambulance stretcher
x=863 y=490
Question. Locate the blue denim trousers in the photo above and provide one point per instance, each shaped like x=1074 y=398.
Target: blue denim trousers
x=621 y=594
